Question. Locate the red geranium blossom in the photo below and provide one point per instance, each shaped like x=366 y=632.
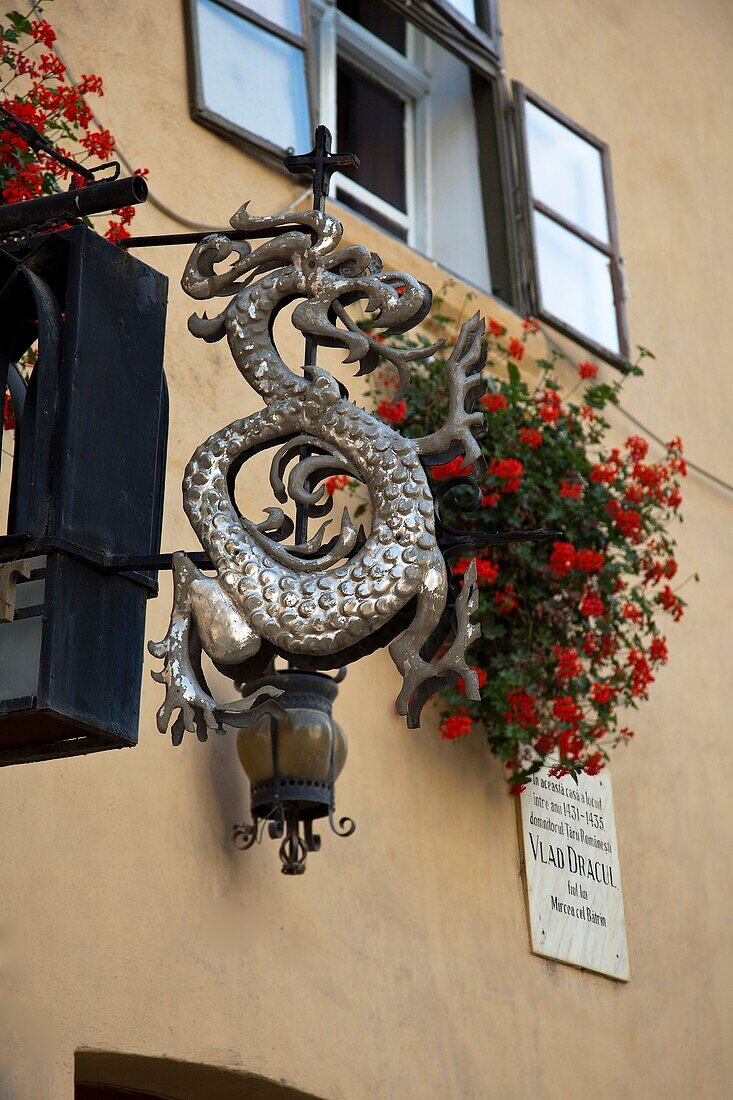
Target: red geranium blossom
x=562 y=559
x=587 y=370
x=392 y=411
x=589 y=561
x=492 y=402
x=509 y=470
x=531 y=436
x=455 y=725
x=516 y=348
x=591 y=605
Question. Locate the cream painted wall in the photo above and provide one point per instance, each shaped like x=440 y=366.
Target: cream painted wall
x=399 y=965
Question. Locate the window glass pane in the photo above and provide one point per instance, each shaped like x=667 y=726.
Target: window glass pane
x=467 y=8
x=371 y=123
x=377 y=18
x=286 y=13
x=253 y=78
x=566 y=172
x=575 y=282
x=456 y=209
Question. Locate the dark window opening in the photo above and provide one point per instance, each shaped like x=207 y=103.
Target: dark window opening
x=371 y=123
x=376 y=17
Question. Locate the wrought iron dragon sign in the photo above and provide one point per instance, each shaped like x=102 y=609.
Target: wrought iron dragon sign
x=320 y=604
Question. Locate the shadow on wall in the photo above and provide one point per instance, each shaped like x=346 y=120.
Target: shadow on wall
x=103 y=1075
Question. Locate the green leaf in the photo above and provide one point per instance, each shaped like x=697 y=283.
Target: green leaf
x=514 y=373
x=20 y=22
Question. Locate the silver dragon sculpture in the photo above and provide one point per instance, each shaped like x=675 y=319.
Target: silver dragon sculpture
x=319 y=603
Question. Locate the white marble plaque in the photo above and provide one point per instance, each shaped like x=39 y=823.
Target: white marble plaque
x=576 y=907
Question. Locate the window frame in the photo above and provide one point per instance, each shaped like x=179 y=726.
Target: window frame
x=340 y=37
x=262 y=148
x=439 y=19
x=522 y=95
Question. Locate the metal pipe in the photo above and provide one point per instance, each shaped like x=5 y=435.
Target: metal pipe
x=94 y=198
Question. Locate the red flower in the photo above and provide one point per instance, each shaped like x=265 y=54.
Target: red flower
x=495 y=328
x=492 y=402
x=510 y=470
x=486 y=571
x=505 y=599
x=454 y=468
x=549 y=406
x=521 y=710
x=670 y=568
x=90 y=85
x=531 y=437
x=593 y=764
x=456 y=725
x=568 y=662
x=603 y=472
x=392 y=411
x=658 y=650
x=336 y=482
x=587 y=370
x=637 y=447
x=627 y=520
x=566 y=710
x=589 y=561
x=489 y=500
x=562 y=558
x=571 y=489
x=116 y=232
x=481 y=676
x=8 y=415
x=100 y=143
x=641 y=673
x=591 y=605
x=516 y=348
x=670 y=603
x=531 y=324
x=42 y=31
x=602 y=693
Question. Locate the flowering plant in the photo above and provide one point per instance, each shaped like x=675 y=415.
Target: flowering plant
x=36 y=89
x=569 y=630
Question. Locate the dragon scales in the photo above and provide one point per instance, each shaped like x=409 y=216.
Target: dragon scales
x=319 y=604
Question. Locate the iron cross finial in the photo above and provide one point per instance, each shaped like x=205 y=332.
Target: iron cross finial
x=321 y=163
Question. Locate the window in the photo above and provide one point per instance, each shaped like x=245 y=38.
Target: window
x=422 y=123
x=576 y=283
x=248 y=72
x=414 y=89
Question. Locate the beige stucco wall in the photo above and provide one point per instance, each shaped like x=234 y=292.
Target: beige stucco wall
x=399 y=965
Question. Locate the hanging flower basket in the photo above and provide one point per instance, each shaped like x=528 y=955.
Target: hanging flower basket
x=570 y=631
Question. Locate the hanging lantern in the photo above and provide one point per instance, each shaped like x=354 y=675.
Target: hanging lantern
x=292 y=763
